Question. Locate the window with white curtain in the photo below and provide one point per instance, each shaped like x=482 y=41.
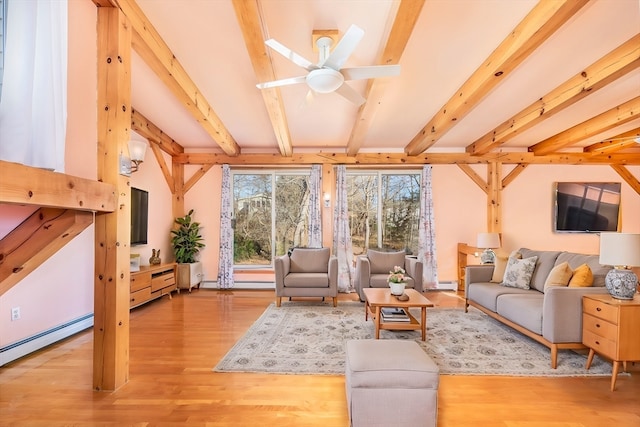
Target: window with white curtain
x=384 y=210
x=271 y=214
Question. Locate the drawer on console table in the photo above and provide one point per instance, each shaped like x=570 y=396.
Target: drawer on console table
x=140 y=280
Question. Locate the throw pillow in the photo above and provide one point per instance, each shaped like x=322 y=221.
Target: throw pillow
x=501 y=265
x=518 y=272
x=559 y=275
x=582 y=277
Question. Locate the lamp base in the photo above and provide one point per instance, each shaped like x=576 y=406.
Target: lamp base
x=621 y=283
x=488 y=257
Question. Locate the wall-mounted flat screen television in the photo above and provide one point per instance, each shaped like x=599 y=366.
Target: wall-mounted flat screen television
x=587 y=207
x=139 y=216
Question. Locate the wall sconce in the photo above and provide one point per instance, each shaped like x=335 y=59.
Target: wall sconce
x=137 y=150
x=327 y=200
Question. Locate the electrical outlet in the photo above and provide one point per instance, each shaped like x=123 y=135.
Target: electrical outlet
x=15 y=313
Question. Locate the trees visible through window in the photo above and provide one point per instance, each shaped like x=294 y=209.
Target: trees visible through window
x=271 y=215
x=384 y=209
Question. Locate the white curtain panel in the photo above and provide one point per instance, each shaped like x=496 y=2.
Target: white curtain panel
x=225 y=264
x=315 y=223
x=33 y=107
x=427 y=232
x=342 y=246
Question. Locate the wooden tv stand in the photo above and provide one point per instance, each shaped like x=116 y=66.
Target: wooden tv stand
x=151 y=282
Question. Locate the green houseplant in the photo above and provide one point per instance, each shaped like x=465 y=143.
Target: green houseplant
x=187 y=242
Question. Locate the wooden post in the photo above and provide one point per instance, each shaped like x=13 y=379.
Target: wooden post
x=178 y=189
x=112 y=230
x=494 y=197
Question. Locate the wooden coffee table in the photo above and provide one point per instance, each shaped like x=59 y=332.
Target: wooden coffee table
x=376 y=298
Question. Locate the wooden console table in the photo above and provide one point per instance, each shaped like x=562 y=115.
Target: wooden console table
x=464 y=251
x=151 y=282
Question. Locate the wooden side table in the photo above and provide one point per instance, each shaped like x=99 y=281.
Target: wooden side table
x=610 y=327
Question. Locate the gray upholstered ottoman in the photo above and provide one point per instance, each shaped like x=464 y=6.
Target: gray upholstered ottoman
x=390 y=383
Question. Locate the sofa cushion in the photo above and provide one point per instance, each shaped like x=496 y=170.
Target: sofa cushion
x=582 y=277
x=559 y=276
x=518 y=272
x=486 y=294
x=525 y=310
x=383 y=262
x=307 y=260
x=306 y=280
x=501 y=265
x=593 y=261
x=546 y=261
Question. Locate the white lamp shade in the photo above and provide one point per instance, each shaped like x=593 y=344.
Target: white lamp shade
x=488 y=240
x=137 y=150
x=620 y=249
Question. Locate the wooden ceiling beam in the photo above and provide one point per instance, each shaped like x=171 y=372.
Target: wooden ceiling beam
x=616 y=116
x=148 y=43
x=543 y=20
x=395 y=160
x=40 y=187
x=146 y=128
x=251 y=24
x=616 y=143
x=403 y=25
x=604 y=71
x=628 y=177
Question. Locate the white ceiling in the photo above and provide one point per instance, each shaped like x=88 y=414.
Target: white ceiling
x=451 y=39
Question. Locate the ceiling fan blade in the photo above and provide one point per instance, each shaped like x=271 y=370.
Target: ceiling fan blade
x=350 y=94
x=344 y=48
x=297 y=59
x=371 y=72
x=283 y=82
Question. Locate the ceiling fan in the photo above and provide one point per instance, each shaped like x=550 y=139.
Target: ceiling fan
x=327 y=75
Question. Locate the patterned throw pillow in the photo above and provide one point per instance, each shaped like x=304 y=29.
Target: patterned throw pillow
x=501 y=265
x=518 y=272
x=559 y=275
x=582 y=277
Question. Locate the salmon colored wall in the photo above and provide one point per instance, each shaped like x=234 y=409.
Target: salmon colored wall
x=61 y=289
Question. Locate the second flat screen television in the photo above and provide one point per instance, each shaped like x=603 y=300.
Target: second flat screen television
x=139 y=216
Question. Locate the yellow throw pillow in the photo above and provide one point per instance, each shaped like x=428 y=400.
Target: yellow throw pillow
x=501 y=265
x=582 y=277
x=559 y=275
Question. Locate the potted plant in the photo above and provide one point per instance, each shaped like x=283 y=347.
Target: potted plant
x=187 y=242
x=397 y=280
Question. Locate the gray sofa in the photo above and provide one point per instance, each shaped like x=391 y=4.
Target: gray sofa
x=551 y=316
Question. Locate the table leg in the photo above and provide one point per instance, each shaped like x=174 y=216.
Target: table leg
x=377 y=321
x=614 y=374
x=423 y=322
x=366 y=311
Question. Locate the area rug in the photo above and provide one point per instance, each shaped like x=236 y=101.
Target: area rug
x=308 y=338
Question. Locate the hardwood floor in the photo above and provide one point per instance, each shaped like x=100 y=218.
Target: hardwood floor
x=174 y=344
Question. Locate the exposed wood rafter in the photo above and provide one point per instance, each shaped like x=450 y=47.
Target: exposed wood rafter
x=604 y=71
x=616 y=116
x=251 y=24
x=405 y=21
x=628 y=177
x=144 y=127
x=543 y=20
x=151 y=47
x=616 y=143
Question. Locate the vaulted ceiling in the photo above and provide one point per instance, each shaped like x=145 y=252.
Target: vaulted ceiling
x=477 y=76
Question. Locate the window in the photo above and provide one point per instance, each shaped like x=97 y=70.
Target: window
x=384 y=210
x=270 y=213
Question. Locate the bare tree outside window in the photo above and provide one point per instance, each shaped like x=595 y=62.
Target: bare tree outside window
x=384 y=210
x=264 y=229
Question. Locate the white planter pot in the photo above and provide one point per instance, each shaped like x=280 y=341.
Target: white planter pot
x=189 y=275
x=396 y=288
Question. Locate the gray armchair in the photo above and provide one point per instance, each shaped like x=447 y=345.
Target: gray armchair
x=373 y=269
x=307 y=272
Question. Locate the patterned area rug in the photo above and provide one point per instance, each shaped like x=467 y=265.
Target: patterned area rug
x=308 y=338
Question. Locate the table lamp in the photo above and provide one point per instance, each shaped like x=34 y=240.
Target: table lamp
x=621 y=250
x=488 y=241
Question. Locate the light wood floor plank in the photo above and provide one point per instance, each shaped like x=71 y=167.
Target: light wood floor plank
x=176 y=343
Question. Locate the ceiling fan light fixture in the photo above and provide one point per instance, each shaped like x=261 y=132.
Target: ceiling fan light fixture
x=325 y=80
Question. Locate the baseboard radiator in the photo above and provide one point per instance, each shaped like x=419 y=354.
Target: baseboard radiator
x=28 y=345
